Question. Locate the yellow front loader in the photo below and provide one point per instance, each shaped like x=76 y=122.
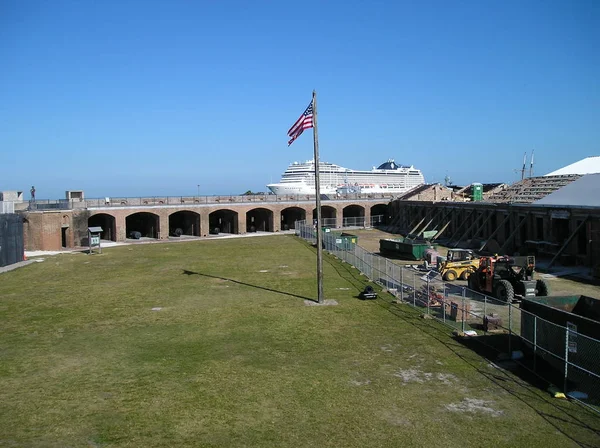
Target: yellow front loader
x=459 y=263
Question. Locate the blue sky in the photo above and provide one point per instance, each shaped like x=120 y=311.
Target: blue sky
x=129 y=98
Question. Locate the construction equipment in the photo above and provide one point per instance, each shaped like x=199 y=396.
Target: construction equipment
x=431 y=258
x=459 y=263
x=508 y=278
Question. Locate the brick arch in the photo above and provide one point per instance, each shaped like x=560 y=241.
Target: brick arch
x=353 y=215
x=224 y=220
x=107 y=221
x=380 y=214
x=329 y=215
x=289 y=216
x=28 y=235
x=259 y=219
x=146 y=223
x=184 y=222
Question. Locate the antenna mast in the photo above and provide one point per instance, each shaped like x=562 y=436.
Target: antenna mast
x=531 y=165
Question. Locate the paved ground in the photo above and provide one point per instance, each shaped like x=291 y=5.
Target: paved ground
x=10 y=267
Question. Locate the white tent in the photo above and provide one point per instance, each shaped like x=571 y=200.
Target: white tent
x=589 y=165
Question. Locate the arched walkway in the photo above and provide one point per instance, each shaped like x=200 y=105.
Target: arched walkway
x=223 y=221
x=328 y=215
x=379 y=215
x=184 y=222
x=147 y=225
x=290 y=215
x=353 y=215
x=259 y=220
x=108 y=224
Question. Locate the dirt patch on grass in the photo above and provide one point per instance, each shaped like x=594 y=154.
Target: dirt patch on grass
x=395 y=417
x=474 y=406
x=362 y=382
x=418 y=376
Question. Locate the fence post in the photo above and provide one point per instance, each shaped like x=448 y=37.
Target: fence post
x=484 y=306
x=414 y=291
x=463 y=313
x=534 y=341
x=444 y=302
x=510 y=329
x=402 y=283
x=566 y=360
x=427 y=296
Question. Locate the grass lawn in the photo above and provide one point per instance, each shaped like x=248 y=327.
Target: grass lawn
x=209 y=343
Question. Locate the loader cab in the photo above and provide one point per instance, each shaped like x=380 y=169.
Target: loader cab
x=455 y=255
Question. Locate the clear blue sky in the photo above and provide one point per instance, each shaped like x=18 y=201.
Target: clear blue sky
x=146 y=98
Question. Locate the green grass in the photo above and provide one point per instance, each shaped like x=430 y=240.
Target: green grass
x=235 y=358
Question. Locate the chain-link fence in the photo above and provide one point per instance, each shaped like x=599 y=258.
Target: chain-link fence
x=560 y=355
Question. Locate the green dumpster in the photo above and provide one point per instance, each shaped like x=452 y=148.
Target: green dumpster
x=401 y=248
x=345 y=241
x=339 y=241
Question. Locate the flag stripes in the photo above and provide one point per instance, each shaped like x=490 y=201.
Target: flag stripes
x=304 y=122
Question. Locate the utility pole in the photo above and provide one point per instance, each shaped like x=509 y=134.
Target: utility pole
x=318 y=202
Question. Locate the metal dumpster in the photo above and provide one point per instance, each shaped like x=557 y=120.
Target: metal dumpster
x=343 y=241
x=403 y=248
x=339 y=241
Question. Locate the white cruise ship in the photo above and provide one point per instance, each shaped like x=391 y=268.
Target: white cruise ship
x=389 y=177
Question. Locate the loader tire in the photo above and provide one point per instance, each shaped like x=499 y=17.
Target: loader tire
x=542 y=288
x=450 y=276
x=504 y=291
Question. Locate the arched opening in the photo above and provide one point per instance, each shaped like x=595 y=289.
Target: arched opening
x=223 y=221
x=142 y=225
x=259 y=220
x=353 y=215
x=108 y=224
x=379 y=215
x=184 y=223
x=290 y=215
x=328 y=215
x=26 y=235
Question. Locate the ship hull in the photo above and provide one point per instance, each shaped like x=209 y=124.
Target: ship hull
x=299 y=178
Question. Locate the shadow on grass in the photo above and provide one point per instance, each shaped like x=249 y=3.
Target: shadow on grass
x=521 y=383
x=186 y=272
x=346 y=271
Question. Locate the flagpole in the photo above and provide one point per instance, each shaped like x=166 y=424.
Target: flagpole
x=318 y=201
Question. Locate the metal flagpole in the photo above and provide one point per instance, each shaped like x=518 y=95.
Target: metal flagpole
x=318 y=201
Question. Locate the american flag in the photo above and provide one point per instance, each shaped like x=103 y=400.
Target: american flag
x=304 y=122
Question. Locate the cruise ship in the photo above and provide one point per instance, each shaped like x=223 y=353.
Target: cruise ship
x=389 y=177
